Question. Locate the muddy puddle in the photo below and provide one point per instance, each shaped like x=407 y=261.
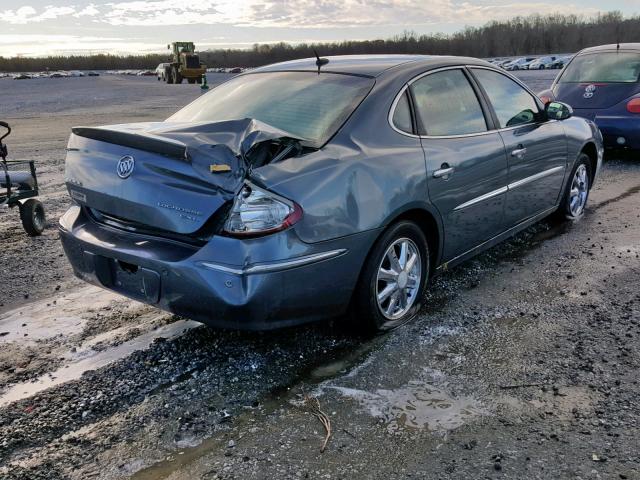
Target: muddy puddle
x=74 y=370
x=61 y=316
x=56 y=321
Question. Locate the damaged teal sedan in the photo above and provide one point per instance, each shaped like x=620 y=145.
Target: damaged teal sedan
x=321 y=188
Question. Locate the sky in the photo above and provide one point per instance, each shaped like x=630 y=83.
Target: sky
x=50 y=27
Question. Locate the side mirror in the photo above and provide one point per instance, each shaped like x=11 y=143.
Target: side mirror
x=558 y=111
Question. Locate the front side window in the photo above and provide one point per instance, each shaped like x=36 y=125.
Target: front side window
x=603 y=67
x=305 y=104
x=447 y=105
x=512 y=103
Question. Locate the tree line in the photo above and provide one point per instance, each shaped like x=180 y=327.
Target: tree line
x=535 y=34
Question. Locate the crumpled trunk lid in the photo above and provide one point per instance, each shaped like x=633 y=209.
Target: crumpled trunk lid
x=182 y=173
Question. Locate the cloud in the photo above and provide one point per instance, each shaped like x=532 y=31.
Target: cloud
x=296 y=13
x=28 y=14
x=88 y=11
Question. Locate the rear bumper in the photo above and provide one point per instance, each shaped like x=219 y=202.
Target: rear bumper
x=614 y=127
x=255 y=284
x=617 y=127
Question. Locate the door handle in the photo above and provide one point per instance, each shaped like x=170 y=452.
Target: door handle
x=519 y=152
x=443 y=172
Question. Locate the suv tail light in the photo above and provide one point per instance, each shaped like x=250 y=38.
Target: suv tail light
x=257 y=212
x=634 y=105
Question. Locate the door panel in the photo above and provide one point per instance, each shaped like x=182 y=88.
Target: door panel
x=536 y=169
x=466 y=164
x=536 y=149
x=471 y=200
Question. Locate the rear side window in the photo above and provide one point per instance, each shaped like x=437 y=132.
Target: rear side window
x=402 y=115
x=604 y=67
x=512 y=103
x=447 y=105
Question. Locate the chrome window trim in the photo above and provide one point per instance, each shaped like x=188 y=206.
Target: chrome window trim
x=275 y=266
x=465 y=135
x=509 y=187
x=392 y=111
x=512 y=77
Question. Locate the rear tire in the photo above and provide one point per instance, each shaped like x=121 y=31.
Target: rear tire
x=32 y=217
x=576 y=194
x=389 y=293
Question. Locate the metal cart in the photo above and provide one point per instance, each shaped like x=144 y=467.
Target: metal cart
x=19 y=186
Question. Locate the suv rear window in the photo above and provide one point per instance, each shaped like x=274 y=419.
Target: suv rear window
x=305 y=104
x=603 y=67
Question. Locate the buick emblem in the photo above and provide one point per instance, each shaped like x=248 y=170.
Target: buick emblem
x=125 y=166
x=588 y=91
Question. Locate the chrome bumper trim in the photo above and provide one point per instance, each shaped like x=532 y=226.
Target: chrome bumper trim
x=275 y=266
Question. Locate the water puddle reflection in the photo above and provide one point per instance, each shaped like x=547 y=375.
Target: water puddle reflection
x=416 y=406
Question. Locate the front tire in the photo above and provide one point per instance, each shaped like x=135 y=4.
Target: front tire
x=32 y=217
x=393 y=279
x=576 y=195
x=177 y=77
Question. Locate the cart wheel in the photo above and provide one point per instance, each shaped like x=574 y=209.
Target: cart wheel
x=32 y=216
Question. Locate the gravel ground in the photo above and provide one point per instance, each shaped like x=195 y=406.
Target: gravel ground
x=522 y=364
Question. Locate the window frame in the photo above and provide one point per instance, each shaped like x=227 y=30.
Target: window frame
x=486 y=106
x=412 y=112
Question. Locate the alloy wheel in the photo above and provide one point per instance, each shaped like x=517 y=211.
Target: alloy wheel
x=398 y=278
x=579 y=191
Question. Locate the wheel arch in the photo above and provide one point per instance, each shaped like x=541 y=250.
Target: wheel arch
x=591 y=151
x=429 y=221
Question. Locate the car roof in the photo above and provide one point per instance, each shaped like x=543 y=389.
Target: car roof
x=369 y=65
x=611 y=46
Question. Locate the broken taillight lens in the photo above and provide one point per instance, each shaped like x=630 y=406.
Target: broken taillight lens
x=257 y=212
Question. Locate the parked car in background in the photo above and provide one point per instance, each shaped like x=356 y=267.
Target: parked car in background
x=160 y=71
x=519 y=64
x=261 y=205
x=502 y=63
x=93 y=74
x=542 y=63
x=560 y=62
x=602 y=84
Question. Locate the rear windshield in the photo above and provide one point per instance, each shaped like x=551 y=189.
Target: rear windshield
x=604 y=67
x=305 y=104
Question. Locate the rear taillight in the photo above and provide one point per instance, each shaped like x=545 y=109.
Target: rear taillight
x=634 y=105
x=257 y=212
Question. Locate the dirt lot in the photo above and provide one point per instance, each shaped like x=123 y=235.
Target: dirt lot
x=523 y=364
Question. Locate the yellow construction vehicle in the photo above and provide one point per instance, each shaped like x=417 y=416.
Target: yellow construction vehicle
x=184 y=63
